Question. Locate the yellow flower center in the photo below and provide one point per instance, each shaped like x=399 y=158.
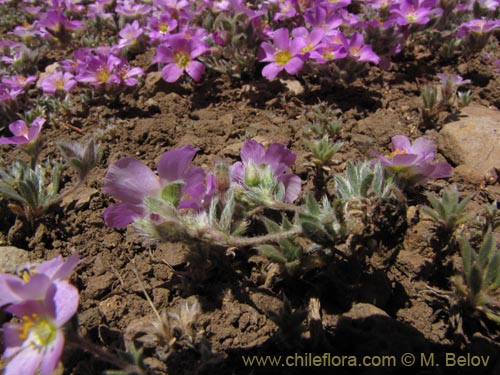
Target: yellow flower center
x=282 y=57
x=102 y=75
x=397 y=152
x=182 y=59
x=163 y=27
x=307 y=48
x=23 y=133
x=354 y=51
x=59 y=84
x=38 y=331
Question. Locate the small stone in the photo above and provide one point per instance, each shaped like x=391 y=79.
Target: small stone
x=363 y=311
x=473 y=140
x=12 y=258
x=112 y=308
x=293 y=86
x=80 y=198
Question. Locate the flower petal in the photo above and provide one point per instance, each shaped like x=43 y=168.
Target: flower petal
x=400 y=142
x=173 y=164
x=66 y=302
x=25 y=362
x=129 y=180
x=441 y=170
x=294 y=65
x=171 y=72
x=195 y=69
x=270 y=71
x=423 y=147
x=279 y=157
x=252 y=151
x=293 y=186
x=52 y=354
x=121 y=215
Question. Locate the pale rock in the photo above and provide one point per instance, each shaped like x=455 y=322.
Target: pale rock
x=473 y=140
x=49 y=70
x=11 y=258
x=363 y=311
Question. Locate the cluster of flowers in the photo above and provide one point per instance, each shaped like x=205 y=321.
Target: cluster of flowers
x=42 y=302
x=291 y=32
x=190 y=188
x=258 y=177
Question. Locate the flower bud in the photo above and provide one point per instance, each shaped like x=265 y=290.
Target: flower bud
x=222 y=177
x=252 y=175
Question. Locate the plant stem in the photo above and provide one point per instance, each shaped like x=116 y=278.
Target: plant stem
x=104 y=355
x=252 y=241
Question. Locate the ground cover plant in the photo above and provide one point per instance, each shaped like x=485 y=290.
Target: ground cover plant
x=199 y=186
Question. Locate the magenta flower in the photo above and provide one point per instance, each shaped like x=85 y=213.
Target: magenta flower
x=411 y=12
x=359 y=51
x=263 y=170
x=19 y=81
x=58 y=82
x=478 y=26
x=35 y=281
x=130 y=34
x=179 y=55
x=283 y=54
x=38 y=340
x=161 y=27
x=22 y=133
x=310 y=40
x=57 y=23
x=131 y=182
x=132 y=9
x=105 y=69
x=414 y=163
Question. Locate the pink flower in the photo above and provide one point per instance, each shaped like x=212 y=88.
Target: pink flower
x=283 y=54
x=130 y=34
x=38 y=340
x=35 y=281
x=179 y=55
x=22 y=133
x=131 y=181
x=414 y=163
x=58 y=81
x=262 y=170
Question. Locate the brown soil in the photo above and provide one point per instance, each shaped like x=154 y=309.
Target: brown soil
x=239 y=293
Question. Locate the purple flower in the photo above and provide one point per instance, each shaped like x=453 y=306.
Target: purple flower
x=129 y=34
x=57 y=23
x=22 y=133
x=161 y=28
x=411 y=12
x=497 y=66
x=283 y=54
x=35 y=281
x=179 y=55
x=19 y=81
x=310 y=40
x=264 y=170
x=132 y=9
x=105 y=69
x=359 y=51
x=58 y=81
x=414 y=163
x=37 y=340
x=131 y=182
x=477 y=26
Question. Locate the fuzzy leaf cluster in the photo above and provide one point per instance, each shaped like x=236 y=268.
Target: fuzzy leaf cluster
x=30 y=188
x=448 y=212
x=481 y=276
x=363 y=181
